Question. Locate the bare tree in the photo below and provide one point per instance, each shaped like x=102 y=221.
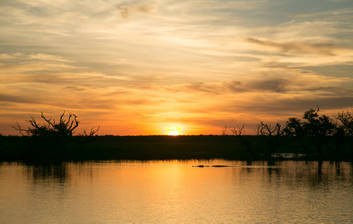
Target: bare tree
x=237 y=131
x=92 y=132
x=225 y=129
x=66 y=125
x=264 y=129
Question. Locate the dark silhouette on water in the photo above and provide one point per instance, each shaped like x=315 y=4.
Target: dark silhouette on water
x=56 y=172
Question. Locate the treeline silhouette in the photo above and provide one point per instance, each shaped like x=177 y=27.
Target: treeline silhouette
x=315 y=136
x=312 y=124
x=313 y=130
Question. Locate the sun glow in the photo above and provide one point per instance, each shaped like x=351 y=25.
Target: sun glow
x=173 y=133
x=174 y=130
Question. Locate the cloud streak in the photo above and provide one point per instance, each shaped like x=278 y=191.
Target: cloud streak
x=127 y=10
x=297 y=47
x=134 y=66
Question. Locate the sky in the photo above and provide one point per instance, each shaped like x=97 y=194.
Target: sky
x=143 y=67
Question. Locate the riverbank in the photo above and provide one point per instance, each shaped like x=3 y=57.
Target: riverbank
x=80 y=148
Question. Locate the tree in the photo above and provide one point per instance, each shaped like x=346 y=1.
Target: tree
x=237 y=131
x=293 y=127
x=224 y=131
x=316 y=125
x=264 y=129
x=346 y=123
x=312 y=125
x=92 y=132
x=65 y=127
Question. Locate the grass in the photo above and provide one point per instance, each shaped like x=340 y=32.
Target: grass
x=81 y=148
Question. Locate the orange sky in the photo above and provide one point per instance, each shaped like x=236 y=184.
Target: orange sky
x=146 y=67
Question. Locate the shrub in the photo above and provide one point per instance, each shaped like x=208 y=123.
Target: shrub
x=64 y=127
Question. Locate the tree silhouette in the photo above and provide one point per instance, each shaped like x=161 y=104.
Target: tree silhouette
x=346 y=123
x=293 y=127
x=264 y=129
x=313 y=125
x=237 y=131
x=316 y=125
x=66 y=125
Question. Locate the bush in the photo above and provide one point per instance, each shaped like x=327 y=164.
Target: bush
x=66 y=125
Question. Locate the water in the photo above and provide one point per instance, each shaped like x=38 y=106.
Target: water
x=176 y=192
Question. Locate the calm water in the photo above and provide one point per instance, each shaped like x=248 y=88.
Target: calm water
x=176 y=192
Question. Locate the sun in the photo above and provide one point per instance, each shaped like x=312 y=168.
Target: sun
x=175 y=133
x=173 y=130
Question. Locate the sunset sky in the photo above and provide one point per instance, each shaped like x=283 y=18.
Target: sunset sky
x=154 y=66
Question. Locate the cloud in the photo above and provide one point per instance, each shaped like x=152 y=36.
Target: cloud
x=297 y=47
x=282 y=106
x=6 y=57
x=15 y=99
x=210 y=88
x=127 y=10
x=142 y=62
x=270 y=85
x=291 y=83
x=48 y=57
x=74 y=88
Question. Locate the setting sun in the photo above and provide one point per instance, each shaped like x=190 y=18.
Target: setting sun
x=174 y=130
x=173 y=133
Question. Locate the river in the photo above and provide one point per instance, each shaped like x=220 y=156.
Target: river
x=176 y=192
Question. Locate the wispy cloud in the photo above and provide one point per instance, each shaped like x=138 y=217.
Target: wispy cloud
x=128 y=9
x=134 y=65
x=297 y=47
